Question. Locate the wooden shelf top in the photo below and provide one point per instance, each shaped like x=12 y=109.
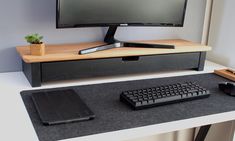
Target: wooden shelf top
x=67 y=52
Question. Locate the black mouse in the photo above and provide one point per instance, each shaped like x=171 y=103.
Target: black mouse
x=228 y=88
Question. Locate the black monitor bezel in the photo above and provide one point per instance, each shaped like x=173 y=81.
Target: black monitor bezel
x=58 y=25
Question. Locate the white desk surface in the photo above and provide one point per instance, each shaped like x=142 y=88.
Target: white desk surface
x=15 y=123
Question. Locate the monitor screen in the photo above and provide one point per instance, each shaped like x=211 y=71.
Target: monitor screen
x=85 y=13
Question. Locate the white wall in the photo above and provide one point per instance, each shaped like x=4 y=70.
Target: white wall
x=218 y=132
x=221 y=132
x=183 y=135
x=222 y=33
x=21 y=17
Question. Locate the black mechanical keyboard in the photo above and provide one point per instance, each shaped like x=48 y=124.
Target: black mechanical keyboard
x=162 y=95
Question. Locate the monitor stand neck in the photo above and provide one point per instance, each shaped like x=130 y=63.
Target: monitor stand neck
x=113 y=43
x=109 y=37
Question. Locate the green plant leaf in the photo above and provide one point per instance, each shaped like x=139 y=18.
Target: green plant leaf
x=34 y=38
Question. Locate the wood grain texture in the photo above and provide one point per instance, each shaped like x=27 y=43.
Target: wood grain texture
x=65 y=52
x=226 y=74
x=37 y=49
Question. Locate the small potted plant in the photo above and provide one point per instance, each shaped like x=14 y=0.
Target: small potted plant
x=37 y=47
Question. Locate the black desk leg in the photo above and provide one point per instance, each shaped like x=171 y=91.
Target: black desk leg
x=32 y=72
x=202 y=59
x=202 y=133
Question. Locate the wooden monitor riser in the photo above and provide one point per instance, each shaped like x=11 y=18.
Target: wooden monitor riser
x=53 y=66
x=65 y=52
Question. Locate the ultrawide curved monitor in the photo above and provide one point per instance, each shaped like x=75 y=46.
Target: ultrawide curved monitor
x=91 y=13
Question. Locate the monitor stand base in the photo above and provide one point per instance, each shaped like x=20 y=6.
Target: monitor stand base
x=113 y=43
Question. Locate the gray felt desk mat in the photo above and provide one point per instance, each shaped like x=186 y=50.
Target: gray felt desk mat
x=112 y=115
